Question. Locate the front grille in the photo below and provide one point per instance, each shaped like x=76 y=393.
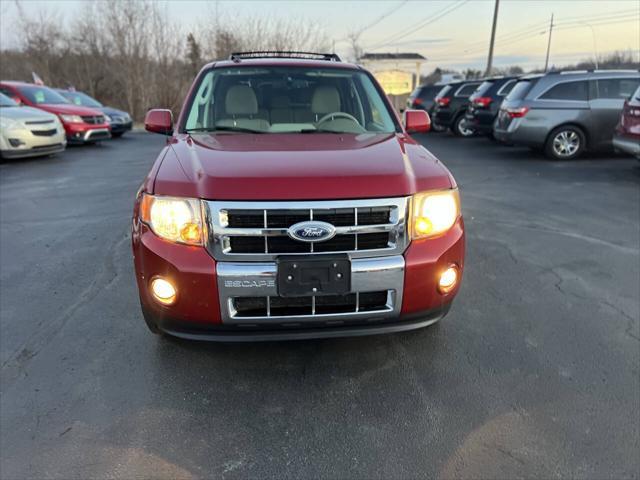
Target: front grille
x=38 y=122
x=44 y=133
x=94 y=120
x=320 y=305
x=259 y=230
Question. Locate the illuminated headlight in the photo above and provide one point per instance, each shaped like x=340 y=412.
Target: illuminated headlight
x=434 y=213
x=173 y=218
x=71 y=118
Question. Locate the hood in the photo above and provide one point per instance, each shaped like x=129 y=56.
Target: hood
x=112 y=111
x=297 y=167
x=25 y=114
x=69 y=109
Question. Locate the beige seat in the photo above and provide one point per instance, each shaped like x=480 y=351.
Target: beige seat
x=326 y=99
x=241 y=109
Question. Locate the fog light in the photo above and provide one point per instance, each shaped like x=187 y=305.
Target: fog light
x=163 y=291
x=16 y=142
x=448 y=279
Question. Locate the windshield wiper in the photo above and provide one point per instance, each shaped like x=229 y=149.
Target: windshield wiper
x=224 y=128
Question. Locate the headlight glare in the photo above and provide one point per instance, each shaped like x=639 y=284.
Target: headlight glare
x=173 y=218
x=72 y=118
x=434 y=213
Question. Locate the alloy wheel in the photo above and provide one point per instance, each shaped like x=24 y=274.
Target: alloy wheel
x=566 y=143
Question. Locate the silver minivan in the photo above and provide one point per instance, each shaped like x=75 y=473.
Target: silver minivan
x=565 y=113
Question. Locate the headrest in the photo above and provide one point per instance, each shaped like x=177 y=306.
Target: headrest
x=326 y=99
x=241 y=100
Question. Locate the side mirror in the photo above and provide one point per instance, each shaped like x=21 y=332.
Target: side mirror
x=159 y=121
x=416 y=121
x=17 y=100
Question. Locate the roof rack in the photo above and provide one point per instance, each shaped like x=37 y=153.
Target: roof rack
x=239 y=56
x=593 y=70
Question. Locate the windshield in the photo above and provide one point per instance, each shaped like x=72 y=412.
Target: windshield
x=38 y=95
x=6 y=101
x=81 y=99
x=288 y=100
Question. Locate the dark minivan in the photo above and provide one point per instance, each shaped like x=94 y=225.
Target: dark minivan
x=485 y=103
x=451 y=106
x=565 y=113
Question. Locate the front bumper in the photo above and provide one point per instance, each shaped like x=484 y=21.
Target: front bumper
x=80 y=133
x=627 y=144
x=204 y=307
x=118 y=127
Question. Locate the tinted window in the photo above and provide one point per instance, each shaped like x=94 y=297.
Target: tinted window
x=568 y=91
x=483 y=88
x=45 y=95
x=520 y=90
x=444 y=91
x=507 y=87
x=80 y=98
x=429 y=92
x=614 y=88
x=467 y=90
x=636 y=95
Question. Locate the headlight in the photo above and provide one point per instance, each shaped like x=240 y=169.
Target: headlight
x=434 y=213
x=71 y=118
x=173 y=218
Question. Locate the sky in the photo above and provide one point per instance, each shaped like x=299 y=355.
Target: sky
x=450 y=33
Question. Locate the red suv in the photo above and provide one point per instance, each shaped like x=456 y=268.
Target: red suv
x=82 y=124
x=291 y=202
x=627 y=136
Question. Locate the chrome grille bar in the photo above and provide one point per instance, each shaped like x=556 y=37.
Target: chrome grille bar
x=358 y=240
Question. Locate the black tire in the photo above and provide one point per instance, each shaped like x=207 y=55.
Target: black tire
x=437 y=128
x=117 y=135
x=566 y=142
x=459 y=128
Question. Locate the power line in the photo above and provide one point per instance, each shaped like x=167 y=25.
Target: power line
x=420 y=24
x=565 y=24
x=533 y=30
x=391 y=11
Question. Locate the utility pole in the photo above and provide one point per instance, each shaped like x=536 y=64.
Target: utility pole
x=546 y=62
x=493 y=39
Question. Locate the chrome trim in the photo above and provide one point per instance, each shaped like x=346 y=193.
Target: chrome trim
x=219 y=244
x=101 y=133
x=237 y=279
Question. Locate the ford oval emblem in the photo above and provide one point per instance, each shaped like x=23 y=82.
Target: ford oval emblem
x=312 y=231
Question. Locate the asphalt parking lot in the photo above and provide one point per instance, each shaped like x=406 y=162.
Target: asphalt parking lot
x=534 y=373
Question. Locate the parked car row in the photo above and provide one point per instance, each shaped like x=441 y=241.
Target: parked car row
x=37 y=120
x=563 y=114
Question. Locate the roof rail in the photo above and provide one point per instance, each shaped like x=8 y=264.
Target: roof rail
x=239 y=56
x=592 y=70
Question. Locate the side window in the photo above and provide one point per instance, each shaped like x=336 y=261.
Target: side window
x=7 y=92
x=572 y=91
x=466 y=90
x=506 y=88
x=614 y=88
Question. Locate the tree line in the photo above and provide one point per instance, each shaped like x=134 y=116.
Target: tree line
x=129 y=54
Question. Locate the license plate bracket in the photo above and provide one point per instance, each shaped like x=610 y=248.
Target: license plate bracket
x=327 y=274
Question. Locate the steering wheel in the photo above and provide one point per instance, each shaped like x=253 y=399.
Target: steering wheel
x=339 y=115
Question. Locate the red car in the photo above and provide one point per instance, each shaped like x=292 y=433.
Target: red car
x=81 y=124
x=627 y=136
x=291 y=202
